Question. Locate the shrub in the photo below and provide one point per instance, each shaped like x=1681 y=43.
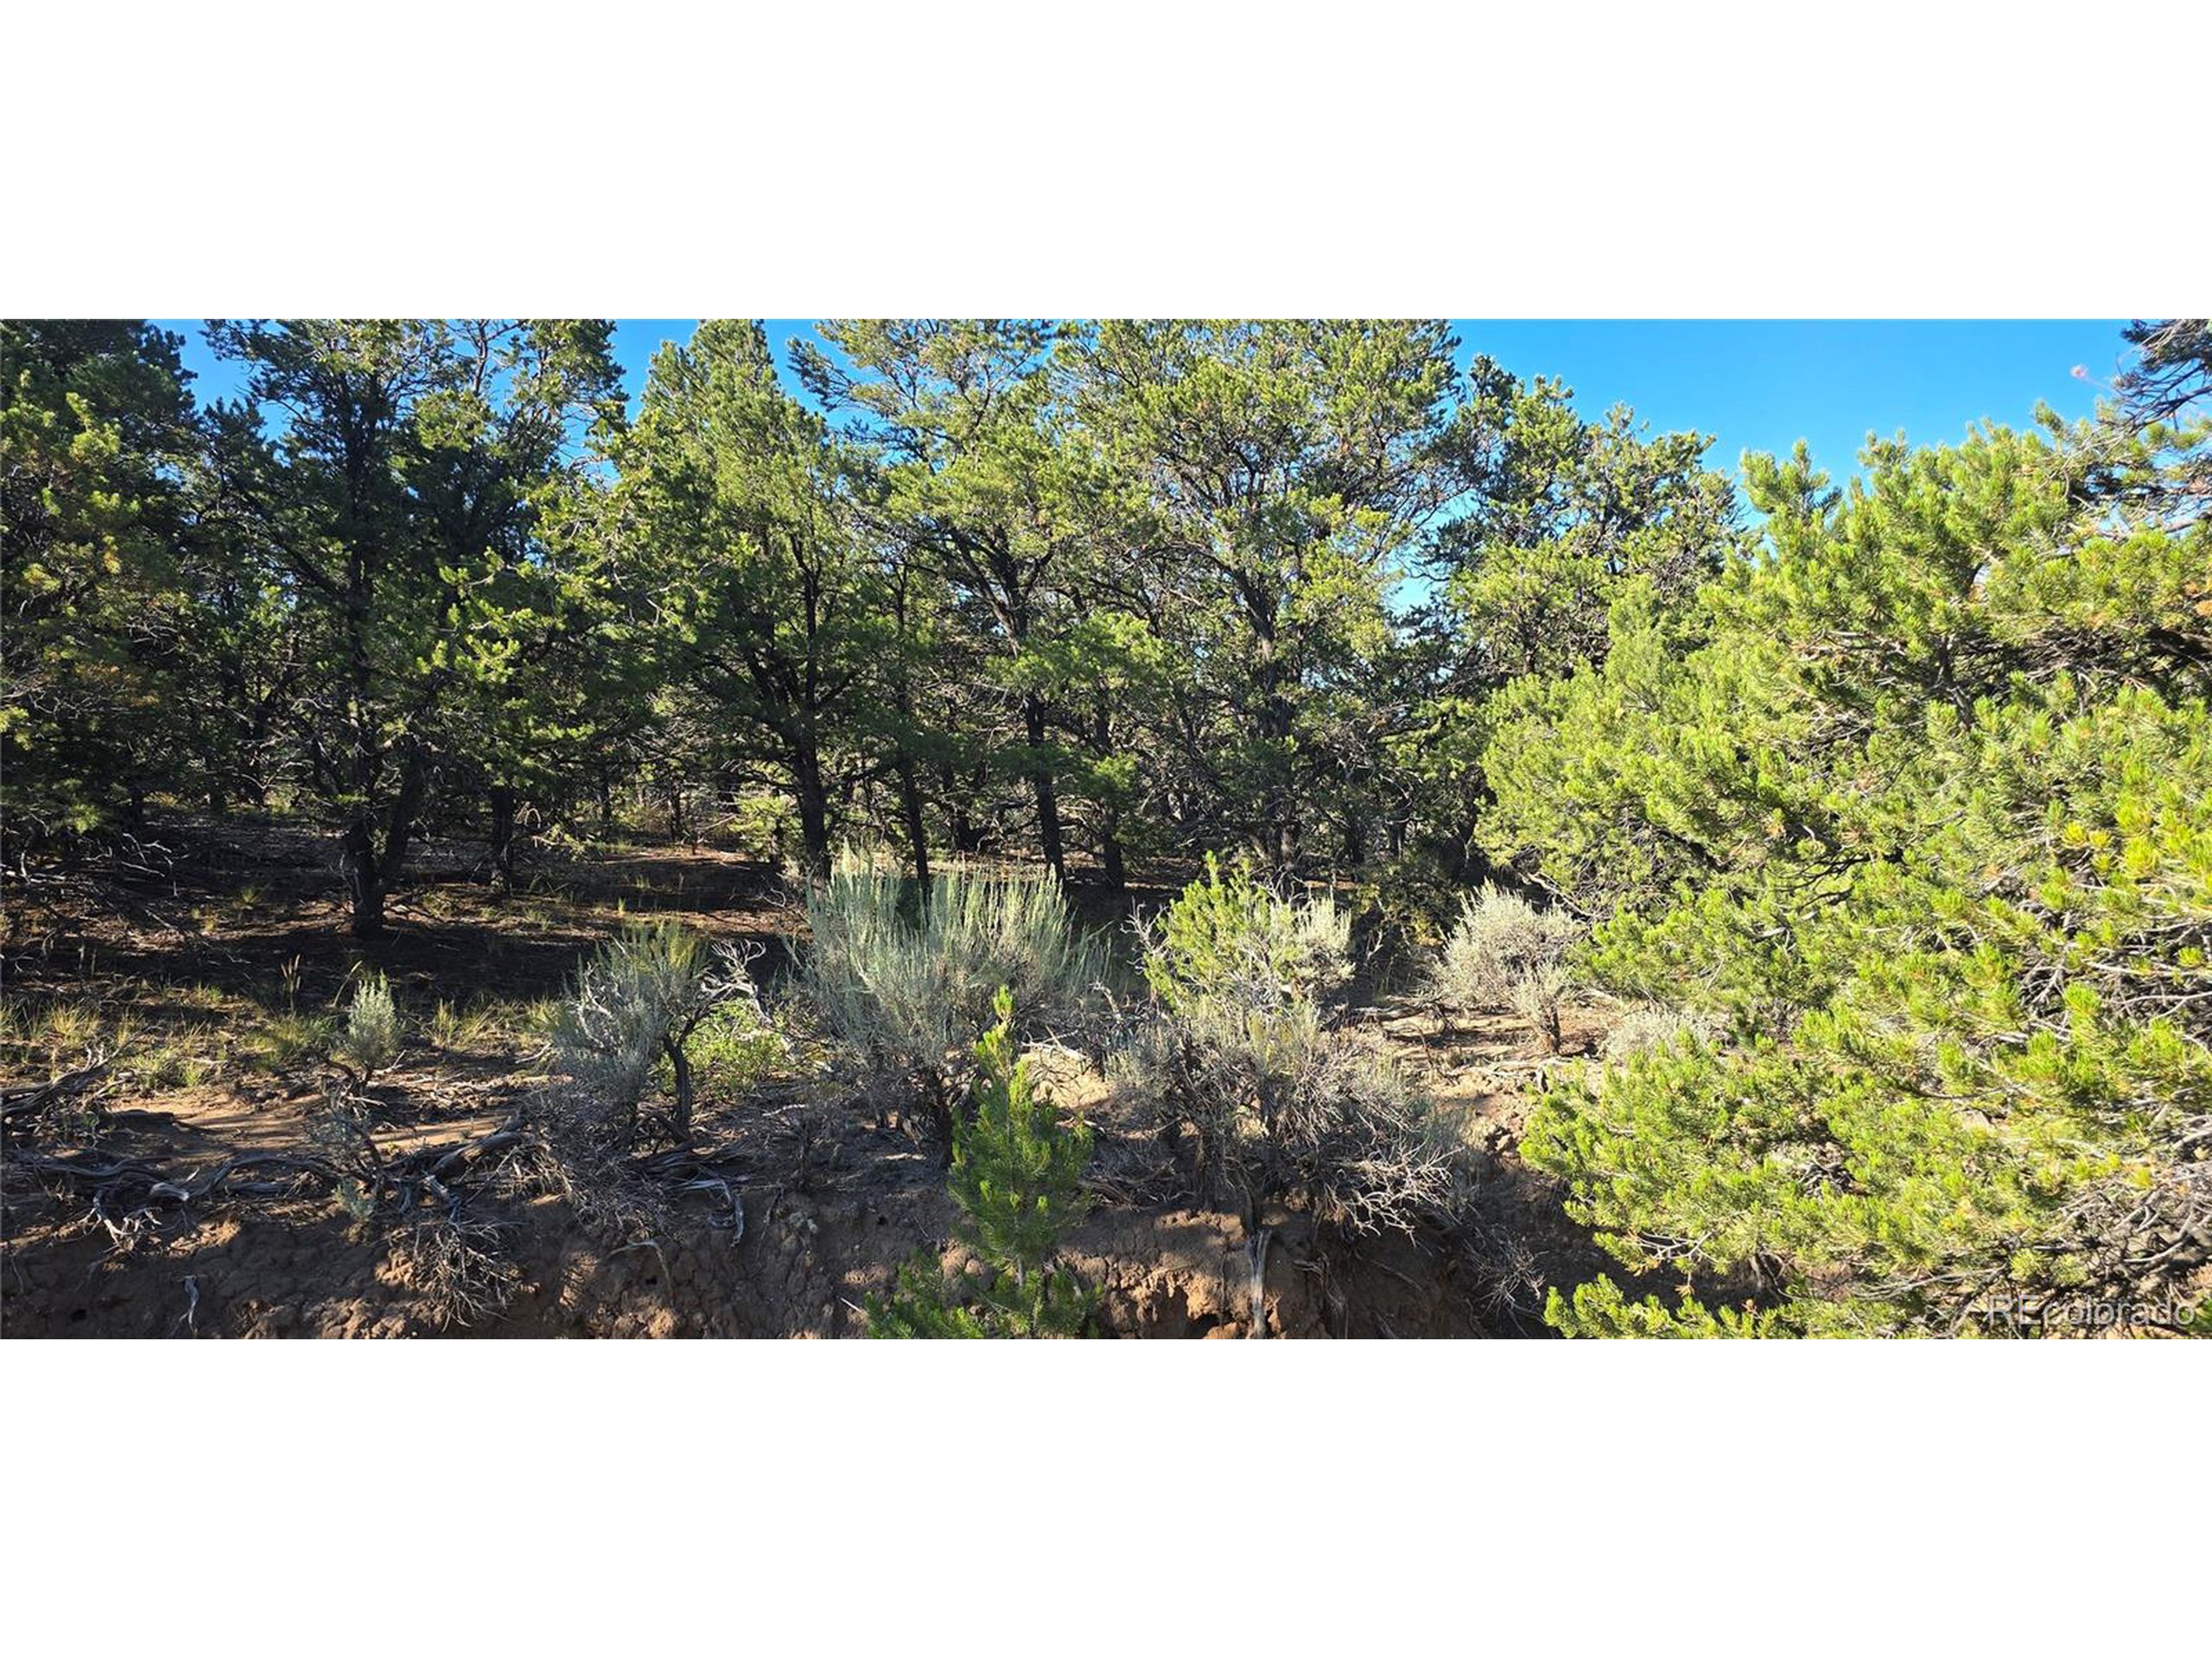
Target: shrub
x=906 y=988
x=1505 y=953
x=1410 y=902
x=731 y=1051
x=1231 y=938
x=368 y=1038
x=458 y=1267
x=1017 y=1171
x=1243 y=1060
x=633 y=1009
x=1647 y=1025
x=1600 y=1309
x=341 y=1135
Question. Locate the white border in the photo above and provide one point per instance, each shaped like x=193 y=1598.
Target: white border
x=1892 y=158
x=1744 y=159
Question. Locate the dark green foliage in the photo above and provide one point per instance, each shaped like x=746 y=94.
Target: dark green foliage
x=97 y=596
x=1017 y=1174
x=398 y=477
x=760 y=590
x=1892 y=806
x=1283 y=474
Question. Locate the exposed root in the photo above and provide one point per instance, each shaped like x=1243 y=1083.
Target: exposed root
x=457 y=1266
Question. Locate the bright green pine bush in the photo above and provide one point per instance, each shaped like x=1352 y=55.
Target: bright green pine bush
x=906 y=991
x=1243 y=1058
x=1017 y=1172
x=1505 y=953
x=1919 y=807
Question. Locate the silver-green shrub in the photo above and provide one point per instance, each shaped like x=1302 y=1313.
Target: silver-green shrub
x=634 y=1008
x=1505 y=953
x=1243 y=1059
x=368 y=1042
x=1647 y=1025
x=904 y=988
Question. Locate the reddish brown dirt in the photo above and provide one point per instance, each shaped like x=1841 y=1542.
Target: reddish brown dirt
x=826 y=1226
x=818 y=1239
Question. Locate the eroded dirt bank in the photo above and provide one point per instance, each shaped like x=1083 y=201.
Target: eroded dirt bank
x=803 y=1268
x=215 y=1006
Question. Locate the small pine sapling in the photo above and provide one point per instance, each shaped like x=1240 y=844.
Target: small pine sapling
x=1017 y=1174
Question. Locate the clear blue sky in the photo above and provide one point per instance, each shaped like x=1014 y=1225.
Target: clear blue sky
x=1750 y=386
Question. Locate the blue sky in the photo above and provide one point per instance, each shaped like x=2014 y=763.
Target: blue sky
x=1750 y=385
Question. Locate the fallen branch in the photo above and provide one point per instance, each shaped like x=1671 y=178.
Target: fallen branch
x=27 y=1100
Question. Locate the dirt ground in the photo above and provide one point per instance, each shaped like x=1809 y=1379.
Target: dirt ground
x=191 y=970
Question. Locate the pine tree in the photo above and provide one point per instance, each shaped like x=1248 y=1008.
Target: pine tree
x=1286 y=471
x=1017 y=1175
x=1919 y=807
x=753 y=589
x=392 y=473
x=99 y=611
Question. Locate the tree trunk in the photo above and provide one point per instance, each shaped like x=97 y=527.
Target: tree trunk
x=1110 y=829
x=965 y=836
x=1048 y=798
x=370 y=873
x=406 y=808
x=1110 y=853
x=357 y=858
x=679 y=1063
x=503 y=838
x=813 y=812
x=918 y=830
x=1354 y=841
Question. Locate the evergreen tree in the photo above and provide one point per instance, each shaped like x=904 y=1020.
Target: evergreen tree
x=96 y=436
x=392 y=473
x=1919 y=807
x=1562 y=516
x=987 y=494
x=760 y=594
x=1288 y=469
x=1017 y=1174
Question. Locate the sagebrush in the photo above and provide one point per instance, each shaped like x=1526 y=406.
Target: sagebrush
x=1505 y=953
x=1243 y=1059
x=905 y=983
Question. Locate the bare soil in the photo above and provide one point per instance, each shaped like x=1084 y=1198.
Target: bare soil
x=228 y=926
